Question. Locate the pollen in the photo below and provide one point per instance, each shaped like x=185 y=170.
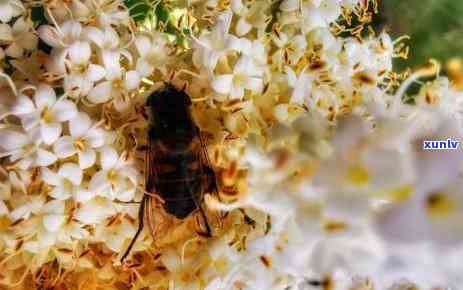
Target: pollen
x=47 y=116
x=79 y=144
x=439 y=203
x=358 y=175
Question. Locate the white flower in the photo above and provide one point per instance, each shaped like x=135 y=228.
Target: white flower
x=45 y=111
x=110 y=50
x=95 y=211
x=25 y=147
x=33 y=205
x=10 y=9
x=320 y=14
x=66 y=183
x=64 y=39
x=117 y=88
x=253 y=16
x=116 y=235
x=81 y=74
x=153 y=52
x=213 y=46
x=20 y=37
x=84 y=138
x=290 y=48
x=301 y=84
x=244 y=76
x=116 y=179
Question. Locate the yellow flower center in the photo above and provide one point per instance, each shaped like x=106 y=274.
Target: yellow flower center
x=47 y=115
x=358 y=175
x=80 y=144
x=439 y=203
x=112 y=175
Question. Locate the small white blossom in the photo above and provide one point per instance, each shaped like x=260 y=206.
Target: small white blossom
x=10 y=9
x=244 y=76
x=66 y=183
x=25 y=148
x=117 y=179
x=44 y=111
x=84 y=138
x=20 y=37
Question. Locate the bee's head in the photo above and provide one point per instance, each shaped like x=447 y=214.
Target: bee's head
x=170 y=109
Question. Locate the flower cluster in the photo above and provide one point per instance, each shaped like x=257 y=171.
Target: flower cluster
x=316 y=142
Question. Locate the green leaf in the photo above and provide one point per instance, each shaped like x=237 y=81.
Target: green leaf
x=139 y=9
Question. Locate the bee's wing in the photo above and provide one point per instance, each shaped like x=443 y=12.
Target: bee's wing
x=154 y=215
x=209 y=184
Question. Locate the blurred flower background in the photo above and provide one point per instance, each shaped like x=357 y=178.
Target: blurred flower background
x=315 y=112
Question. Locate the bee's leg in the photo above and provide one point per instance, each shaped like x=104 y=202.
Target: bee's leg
x=140 y=228
x=212 y=186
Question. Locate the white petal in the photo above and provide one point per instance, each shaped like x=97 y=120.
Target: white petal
x=53 y=222
x=95 y=35
x=82 y=195
x=87 y=158
x=64 y=147
x=242 y=27
x=50 y=177
x=253 y=84
x=222 y=84
x=23 y=105
x=45 y=96
x=71 y=172
x=112 y=64
x=98 y=183
x=64 y=110
x=11 y=140
x=49 y=35
x=50 y=132
x=95 y=137
x=60 y=193
x=72 y=29
x=45 y=158
x=143 y=44
x=108 y=157
x=52 y=207
x=132 y=80
x=236 y=92
x=5 y=32
x=144 y=68
x=30 y=121
x=3 y=209
x=101 y=93
x=79 y=125
x=79 y=52
x=95 y=72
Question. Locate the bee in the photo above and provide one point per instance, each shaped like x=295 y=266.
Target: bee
x=177 y=172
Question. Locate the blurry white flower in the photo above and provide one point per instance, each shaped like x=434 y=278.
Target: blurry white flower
x=211 y=47
x=66 y=183
x=45 y=111
x=25 y=148
x=320 y=13
x=250 y=16
x=64 y=39
x=19 y=38
x=33 y=205
x=84 y=138
x=244 y=76
x=95 y=211
x=117 y=179
x=290 y=48
x=116 y=234
x=301 y=84
x=10 y=9
x=153 y=52
x=108 y=12
x=81 y=74
x=117 y=88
